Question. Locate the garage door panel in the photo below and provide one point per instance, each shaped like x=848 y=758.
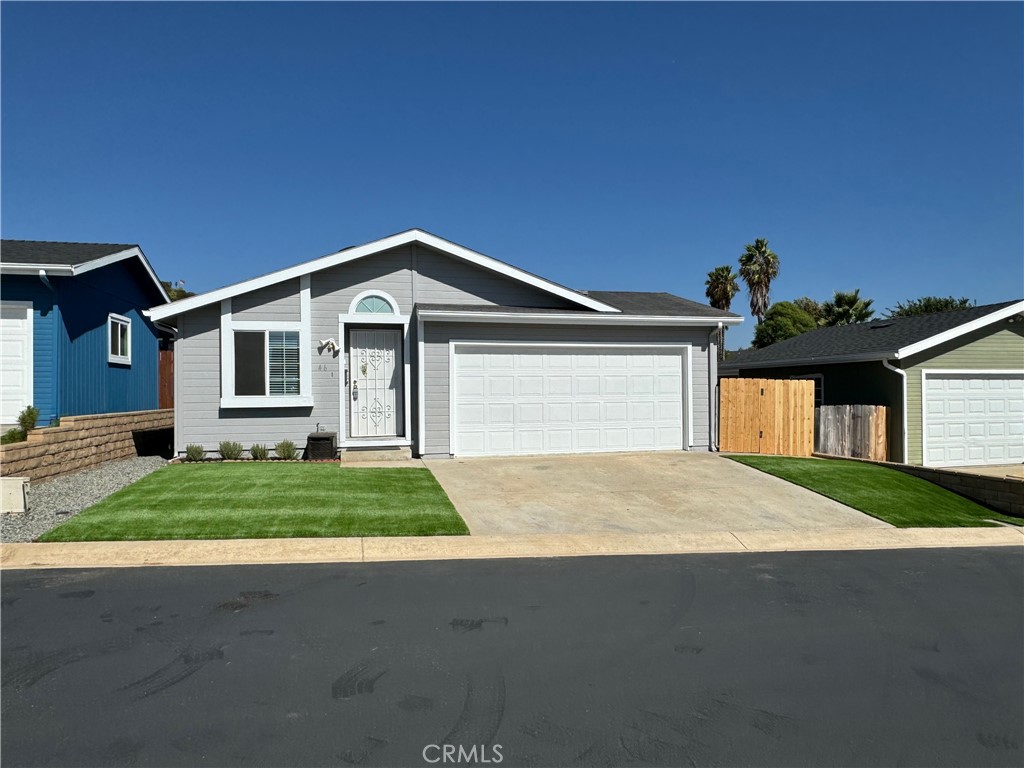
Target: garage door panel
x=15 y=359
x=543 y=400
x=973 y=418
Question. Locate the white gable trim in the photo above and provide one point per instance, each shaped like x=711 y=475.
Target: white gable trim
x=361 y=251
x=64 y=270
x=554 y=318
x=960 y=330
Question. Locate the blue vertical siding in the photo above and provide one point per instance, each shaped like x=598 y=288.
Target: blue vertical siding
x=45 y=329
x=88 y=383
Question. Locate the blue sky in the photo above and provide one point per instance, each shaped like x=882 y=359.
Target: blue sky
x=609 y=146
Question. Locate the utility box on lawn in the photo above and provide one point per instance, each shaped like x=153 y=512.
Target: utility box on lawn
x=322 y=446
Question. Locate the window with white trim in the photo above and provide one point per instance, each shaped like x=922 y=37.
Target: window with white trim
x=374 y=305
x=119 y=339
x=267 y=363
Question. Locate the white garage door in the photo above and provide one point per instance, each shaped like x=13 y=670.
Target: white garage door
x=535 y=399
x=15 y=359
x=973 y=419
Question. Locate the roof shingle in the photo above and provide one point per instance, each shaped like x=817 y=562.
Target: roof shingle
x=879 y=338
x=56 y=253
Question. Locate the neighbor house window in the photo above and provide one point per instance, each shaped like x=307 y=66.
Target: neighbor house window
x=119 y=340
x=819 y=387
x=266 y=363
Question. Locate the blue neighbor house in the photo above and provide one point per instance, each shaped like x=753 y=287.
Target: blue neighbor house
x=73 y=336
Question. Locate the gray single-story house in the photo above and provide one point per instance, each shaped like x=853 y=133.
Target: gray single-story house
x=416 y=343
x=954 y=381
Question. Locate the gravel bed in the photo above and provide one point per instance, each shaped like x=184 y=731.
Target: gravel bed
x=53 y=501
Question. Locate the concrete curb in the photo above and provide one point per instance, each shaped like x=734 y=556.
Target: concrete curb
x=126 y=554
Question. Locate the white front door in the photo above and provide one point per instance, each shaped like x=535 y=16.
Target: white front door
x=973 y=419
x=531 y=400
x=375 y=392
x=15 y=359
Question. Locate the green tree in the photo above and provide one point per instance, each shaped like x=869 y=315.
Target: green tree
x=782 y=321
x=811 y=307
x=758 y=267
x=721 y=287
x=846 y=308
x=928 y=304
x=176 y=291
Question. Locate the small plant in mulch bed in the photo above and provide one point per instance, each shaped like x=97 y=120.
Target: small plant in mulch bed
x=194 y=452
x=230 y=450
x=259 y=452
x=286 y=450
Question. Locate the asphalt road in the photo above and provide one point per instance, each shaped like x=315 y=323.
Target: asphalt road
x=912 y=657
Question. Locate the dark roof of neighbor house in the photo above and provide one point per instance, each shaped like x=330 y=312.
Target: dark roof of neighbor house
x=878 y=338
x=56 y=254
x=630 y=303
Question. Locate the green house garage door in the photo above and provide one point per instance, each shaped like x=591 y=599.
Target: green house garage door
x=973 y=419
x=535 y=399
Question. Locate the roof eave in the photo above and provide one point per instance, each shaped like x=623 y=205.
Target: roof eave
x=960 y=330
x=368 y=249
x=829 y=360
x=528 y=318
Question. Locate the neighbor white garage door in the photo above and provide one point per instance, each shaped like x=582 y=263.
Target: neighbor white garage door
x=509 y=400
x=15 y=359
x=973 y=419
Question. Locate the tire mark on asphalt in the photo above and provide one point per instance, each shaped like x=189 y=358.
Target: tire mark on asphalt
x=359 y=679
x=482 y=711
x=175 y=671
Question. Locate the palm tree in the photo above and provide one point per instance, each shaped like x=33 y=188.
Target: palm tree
x=758 y=267
x=721 y=287
x=847 y=308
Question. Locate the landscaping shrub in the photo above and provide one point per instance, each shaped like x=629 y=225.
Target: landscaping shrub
x=259 y=452
x=194 y=452
x=13 y=436
x=286 y=450
x=26 y=422
x=27 y=419
x=230 y=450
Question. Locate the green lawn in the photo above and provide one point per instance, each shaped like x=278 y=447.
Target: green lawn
x=268 y=500
x=888 y=494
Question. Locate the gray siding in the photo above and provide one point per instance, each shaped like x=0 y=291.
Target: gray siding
x=444 y=280
x=279 y=303
x=436 y=369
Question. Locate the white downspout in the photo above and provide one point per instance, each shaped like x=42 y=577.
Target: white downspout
x=713 y=385
x=903 y=375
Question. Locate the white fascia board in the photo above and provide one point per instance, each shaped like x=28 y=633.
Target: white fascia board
x=528 y=318
x=34 y=269
x=58 y=270
x=368 y=249
x=960 y=330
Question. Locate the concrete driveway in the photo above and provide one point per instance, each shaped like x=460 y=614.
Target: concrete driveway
x=632 y=493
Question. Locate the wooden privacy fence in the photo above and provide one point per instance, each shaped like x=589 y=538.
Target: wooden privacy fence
x=858 y=431
x=774 y=416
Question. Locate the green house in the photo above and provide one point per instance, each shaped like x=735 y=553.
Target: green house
x=954 y=381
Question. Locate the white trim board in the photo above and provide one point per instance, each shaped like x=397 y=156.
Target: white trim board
x=685 y=350
x=368 y=249
x=553 y=318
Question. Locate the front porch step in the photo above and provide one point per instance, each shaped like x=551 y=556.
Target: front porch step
x=376 y=454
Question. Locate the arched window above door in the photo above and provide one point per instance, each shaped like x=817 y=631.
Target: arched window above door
x=373 y=303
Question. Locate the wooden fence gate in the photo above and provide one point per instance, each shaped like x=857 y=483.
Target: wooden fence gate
x=773 y=416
